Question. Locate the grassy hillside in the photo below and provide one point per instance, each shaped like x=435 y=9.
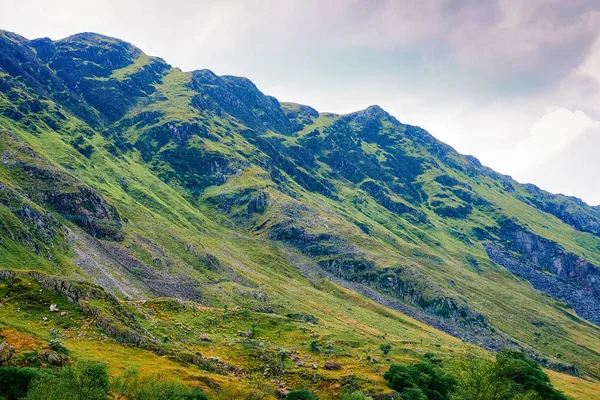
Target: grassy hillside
x=190 y=206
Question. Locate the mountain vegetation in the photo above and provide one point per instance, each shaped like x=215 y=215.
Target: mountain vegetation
x=181 y=235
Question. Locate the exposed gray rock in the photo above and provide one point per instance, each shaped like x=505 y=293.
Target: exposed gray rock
x=6 y=352
x=332 y=366
x=53 y=358
x=585 y=303
x=205 y=338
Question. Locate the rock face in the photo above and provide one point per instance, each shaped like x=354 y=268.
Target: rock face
x=119 y=323
x=585 y=302
x=550 y=256
x=6 y=352
x=571 y=210
x=86 y=208
x=549 y=268
x=55 y=189
x=53 y=358
x=240 y=98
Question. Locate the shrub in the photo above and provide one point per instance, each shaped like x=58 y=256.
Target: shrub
x=425 y=377
x=385 y=348
x=196 y=394
x=513 y=376
x=414 y=394
x=56 y=343
x=302 y=395
x=130 y=385
x=314 y=346
x=127 y=384
x=159 y=388
x=85 y=381
x=14 y=382
x=525 y=375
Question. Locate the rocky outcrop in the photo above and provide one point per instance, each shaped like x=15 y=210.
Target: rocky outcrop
x=585 y=302
x=6 y=352
x=86 y=208
x=405 y=285
x=118 y=323
x=570 y=210
x=241 y=204
x=549 y=256
x=53 y=358
x=7 y=275
x=241 y=99
x=53 y=188
x=479 y=332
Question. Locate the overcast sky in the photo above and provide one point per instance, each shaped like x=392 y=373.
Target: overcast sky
x=514 y=82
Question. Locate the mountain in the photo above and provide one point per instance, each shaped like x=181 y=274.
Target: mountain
x=186 y=222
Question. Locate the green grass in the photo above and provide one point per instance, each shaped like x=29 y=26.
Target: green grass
x=162 y=222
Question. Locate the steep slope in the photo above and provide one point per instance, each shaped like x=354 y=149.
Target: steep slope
x=122 y=171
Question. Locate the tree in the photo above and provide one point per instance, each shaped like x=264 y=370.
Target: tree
x=512 y=377
x=15 y=382
x=302 y=395
x=85 y=381
x=127 y=384
x=477 y=380
x=196 y=394
x=413 y=394
x=159 y=387
x=425 y=377
x=525 y=375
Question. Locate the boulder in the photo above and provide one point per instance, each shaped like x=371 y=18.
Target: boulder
x=6 y=352
x=205 y=338
x=332 y=366
x=53 y=358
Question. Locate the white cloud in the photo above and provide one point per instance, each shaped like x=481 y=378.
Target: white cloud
x=548 y=137
x=574 y=170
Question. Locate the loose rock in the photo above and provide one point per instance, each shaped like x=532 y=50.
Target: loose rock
x=332 y=366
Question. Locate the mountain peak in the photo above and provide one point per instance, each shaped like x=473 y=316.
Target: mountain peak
x=155 y=183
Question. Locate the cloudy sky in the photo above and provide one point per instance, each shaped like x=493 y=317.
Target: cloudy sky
x=515 y=83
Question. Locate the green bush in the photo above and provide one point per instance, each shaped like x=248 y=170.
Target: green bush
x=85 y=381
x=425 y=378
x=127 y=384
x=196 y=394
x=314 y=346
x=130 y=385
x=302 y=395
x=385 y=348
x=56 y=343
x=512 y=377
x=525 y=375
x=14 y=382
x=159 y=388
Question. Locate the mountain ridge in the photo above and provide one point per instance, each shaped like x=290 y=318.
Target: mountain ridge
x=120 y=170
